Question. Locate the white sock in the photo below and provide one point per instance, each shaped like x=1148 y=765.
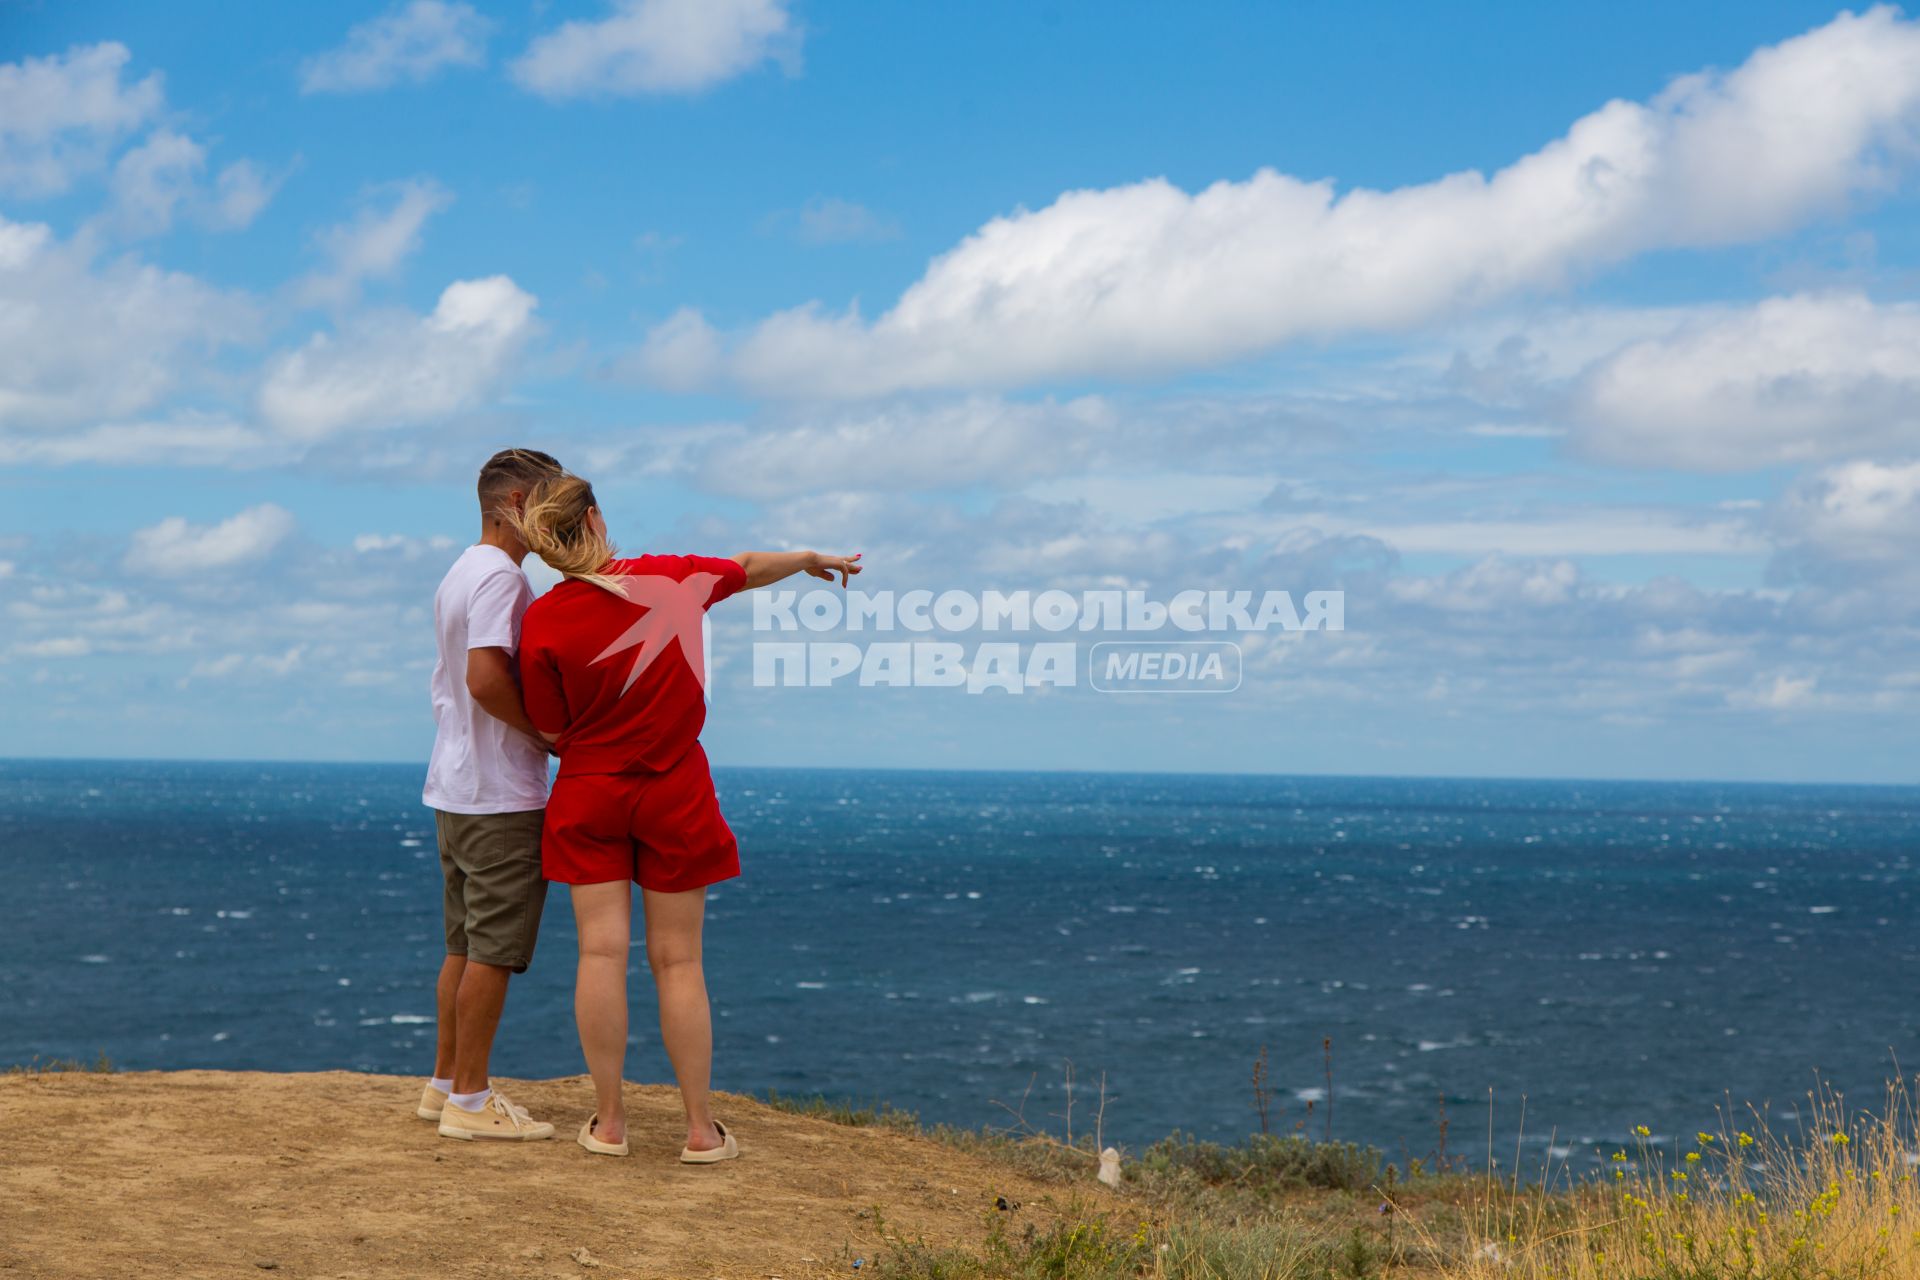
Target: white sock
x=471 y=1101
x=442 y=1084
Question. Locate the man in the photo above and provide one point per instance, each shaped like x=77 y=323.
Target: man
x=487 y=785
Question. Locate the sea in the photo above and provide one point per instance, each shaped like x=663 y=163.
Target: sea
x=1522 y=970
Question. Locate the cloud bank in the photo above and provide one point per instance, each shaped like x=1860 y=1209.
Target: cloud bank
x=1149 y=278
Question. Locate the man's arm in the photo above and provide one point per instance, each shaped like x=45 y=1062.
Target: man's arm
x=491 y=681
x=767 y=567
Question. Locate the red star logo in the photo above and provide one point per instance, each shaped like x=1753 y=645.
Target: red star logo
x=673 y=612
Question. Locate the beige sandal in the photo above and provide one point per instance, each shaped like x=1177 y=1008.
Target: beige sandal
x=727 y=1150
x=594 y=1144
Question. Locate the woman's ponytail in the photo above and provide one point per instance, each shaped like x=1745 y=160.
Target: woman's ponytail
x=555 y=527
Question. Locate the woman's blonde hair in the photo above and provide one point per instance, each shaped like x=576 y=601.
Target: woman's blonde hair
x=555 y=527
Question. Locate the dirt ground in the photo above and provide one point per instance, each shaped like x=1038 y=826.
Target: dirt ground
x=213 y=1173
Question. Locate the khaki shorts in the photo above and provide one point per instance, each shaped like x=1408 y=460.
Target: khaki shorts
x=495 y=892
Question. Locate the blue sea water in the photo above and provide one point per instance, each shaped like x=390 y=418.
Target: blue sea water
x=1602 y=955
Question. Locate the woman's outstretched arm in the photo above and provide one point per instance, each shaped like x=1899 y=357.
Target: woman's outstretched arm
x=765 y=567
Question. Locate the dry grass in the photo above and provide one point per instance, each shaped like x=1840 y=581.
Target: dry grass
x=1833 y=1197
x=1829 y=1194
x=60 y=1066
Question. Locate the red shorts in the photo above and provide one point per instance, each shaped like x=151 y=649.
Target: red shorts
x=663 y=830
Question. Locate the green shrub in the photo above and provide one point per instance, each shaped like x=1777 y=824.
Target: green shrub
x=1267 y=1162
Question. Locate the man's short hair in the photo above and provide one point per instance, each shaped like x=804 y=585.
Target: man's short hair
x=512 y=469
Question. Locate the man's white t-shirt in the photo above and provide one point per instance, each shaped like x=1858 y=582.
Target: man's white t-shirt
x=479 y=765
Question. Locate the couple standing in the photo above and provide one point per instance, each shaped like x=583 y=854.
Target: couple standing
x=606 y=671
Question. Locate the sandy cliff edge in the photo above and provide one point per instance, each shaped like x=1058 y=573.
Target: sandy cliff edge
x=215 y=1173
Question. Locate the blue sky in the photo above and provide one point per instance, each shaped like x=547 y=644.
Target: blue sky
x=1574 y=343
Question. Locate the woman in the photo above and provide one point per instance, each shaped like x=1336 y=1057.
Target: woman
x=611 y=668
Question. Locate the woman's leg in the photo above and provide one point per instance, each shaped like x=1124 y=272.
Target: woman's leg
x=603 y=914
x=673 y=953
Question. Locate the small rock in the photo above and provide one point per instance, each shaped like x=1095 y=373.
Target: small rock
x=584 y=1258
x=266 y=1264
x=533 y=1253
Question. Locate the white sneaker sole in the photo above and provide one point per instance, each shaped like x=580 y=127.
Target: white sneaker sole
x=468 y=1135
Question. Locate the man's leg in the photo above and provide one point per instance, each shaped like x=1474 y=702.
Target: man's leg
x=481 y=996
x=453 y=910
x=443 y=993
x=475 y=1109
x=498 y=856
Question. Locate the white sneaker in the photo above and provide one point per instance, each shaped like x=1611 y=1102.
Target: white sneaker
x=499 y=1120
x=432 y=1102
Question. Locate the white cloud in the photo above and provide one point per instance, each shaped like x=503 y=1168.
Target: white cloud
x=162 y=175
x=1493 y=584
x=151 y=179
x=285 y=662
x=1515 y=431
x=659 y=46
x=979 y=441
x=378 y=543
x=1792 y=380
x=395 y=369
x=186 y=440
x=406 y=43
x=1859 y=512
x=176 y=548
x=1148 y=277
x=679 y=354
x=81 y=342
x=374 y=243
x=21 y=243
x=1150 y=497
x=831 y=220
x=214 y=668
x=1144 y=458
x=55 y=647
x=1782 y=693
x=61 y=115
x=240 y=193
x=231 y=664
x=1597 y=532
x=1578 y=531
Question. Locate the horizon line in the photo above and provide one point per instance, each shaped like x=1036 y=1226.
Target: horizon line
x=988 y=772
